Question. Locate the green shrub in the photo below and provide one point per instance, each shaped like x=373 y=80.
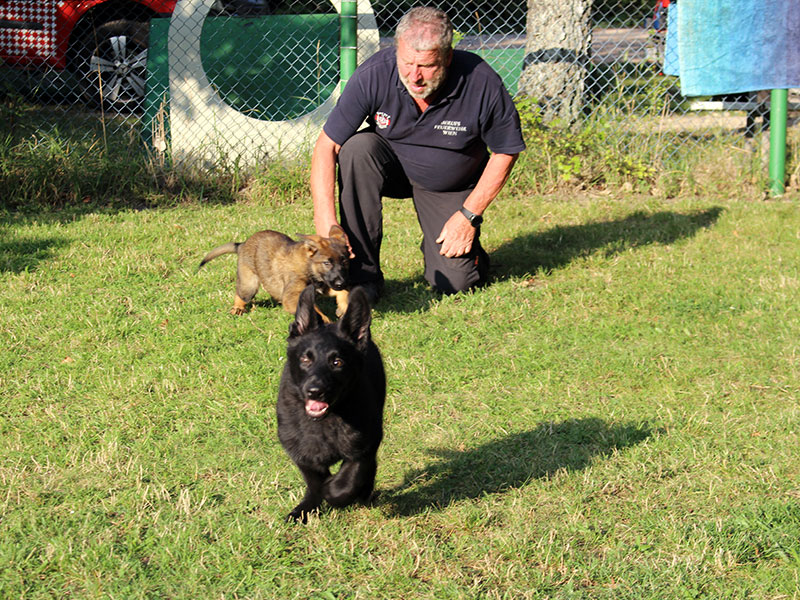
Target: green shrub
x=586 y=155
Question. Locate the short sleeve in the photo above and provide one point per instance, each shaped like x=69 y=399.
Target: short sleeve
x=501 y=129
x=354 y=105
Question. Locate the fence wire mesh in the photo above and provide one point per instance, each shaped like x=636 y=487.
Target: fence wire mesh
x=220 y=78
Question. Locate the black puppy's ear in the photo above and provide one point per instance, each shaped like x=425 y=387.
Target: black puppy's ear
x=306 y=319
x=355 y=322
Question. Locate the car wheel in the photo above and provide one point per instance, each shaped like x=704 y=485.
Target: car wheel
x=113 y=64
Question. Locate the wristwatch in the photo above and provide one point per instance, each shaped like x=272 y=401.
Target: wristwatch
x=473 y=219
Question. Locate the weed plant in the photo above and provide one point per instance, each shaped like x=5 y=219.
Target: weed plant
x=66 y=165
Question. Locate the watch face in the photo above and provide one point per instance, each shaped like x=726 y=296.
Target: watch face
x=474 y=219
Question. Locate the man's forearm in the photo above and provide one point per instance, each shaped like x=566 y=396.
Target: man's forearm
x=458 y=234
x=323 y=183
x=491 y=182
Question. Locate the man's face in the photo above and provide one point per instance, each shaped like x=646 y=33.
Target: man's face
x=421 y=71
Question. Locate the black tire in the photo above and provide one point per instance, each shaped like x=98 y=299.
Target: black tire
x=113 y=64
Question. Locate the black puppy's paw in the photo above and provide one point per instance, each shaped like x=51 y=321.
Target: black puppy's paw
x=296 y=517
x=371 y=499
x=300 y=515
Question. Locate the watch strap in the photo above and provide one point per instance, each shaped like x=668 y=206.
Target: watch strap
x=474 y=219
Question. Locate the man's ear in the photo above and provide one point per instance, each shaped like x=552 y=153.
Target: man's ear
x=449 y=58
x=306 y=318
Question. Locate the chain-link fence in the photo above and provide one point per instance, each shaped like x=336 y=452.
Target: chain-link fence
x=254 y=79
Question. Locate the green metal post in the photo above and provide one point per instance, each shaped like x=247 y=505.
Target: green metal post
x=777 y=141
x=347 y=43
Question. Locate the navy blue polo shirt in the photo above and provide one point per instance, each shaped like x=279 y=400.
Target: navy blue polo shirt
x=443 y=149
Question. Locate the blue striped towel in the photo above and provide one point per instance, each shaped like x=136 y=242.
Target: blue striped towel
x=731 y=46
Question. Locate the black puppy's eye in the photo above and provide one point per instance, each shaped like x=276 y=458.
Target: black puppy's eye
x=305 y=360
x=337 y=363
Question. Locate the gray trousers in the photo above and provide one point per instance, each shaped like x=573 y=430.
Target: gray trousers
x=368 y=171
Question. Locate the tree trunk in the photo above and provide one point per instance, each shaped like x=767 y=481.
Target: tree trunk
x=557 y=56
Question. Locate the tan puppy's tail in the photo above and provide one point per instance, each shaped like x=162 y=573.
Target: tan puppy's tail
x=229 y=248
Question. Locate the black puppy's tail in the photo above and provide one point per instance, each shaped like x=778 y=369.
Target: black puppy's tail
x=229 y=248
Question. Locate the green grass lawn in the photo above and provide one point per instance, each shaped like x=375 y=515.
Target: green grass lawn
x=616 y=416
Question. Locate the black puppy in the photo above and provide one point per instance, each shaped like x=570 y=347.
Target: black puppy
x=330 y=403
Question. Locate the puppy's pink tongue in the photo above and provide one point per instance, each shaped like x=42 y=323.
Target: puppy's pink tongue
x=316 y=408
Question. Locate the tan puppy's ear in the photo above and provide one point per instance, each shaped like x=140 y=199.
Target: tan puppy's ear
x=337 y=233
x=311 y=242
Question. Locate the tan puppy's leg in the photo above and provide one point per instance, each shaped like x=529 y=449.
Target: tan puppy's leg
x=324 y=317
x=238 y=306
x=341 y=300
x=292 y=295
x=247 y=283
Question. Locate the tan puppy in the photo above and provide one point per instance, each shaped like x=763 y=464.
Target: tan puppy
x=284 y=267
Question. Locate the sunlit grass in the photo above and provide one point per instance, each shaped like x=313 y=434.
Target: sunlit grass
x=615 y=416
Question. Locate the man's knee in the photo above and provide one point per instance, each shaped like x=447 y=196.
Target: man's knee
x=450 y=283
x=460 y=275
x=358 y=147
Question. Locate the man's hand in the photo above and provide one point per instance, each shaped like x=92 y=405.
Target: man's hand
x=326 y=228
x=456 y=237
x=458 y=234
x=349 y=247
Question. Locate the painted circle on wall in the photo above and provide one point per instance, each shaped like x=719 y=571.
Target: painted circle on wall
x=272 y=67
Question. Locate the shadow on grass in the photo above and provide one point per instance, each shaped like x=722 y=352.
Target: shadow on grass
x=560 y=245
x=509 y=462
x=25 y=255
x=557 y=247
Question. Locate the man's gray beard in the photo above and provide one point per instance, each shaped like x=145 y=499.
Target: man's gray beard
x=432 y=87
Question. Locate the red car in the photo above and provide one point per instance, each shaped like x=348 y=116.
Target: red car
x=104 y=42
